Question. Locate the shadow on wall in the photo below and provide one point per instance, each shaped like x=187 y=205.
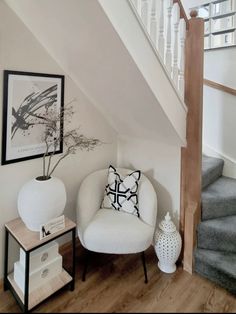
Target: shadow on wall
x=163 y=197
x=219 y=114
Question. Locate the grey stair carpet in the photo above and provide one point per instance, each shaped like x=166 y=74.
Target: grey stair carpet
x=219 y=199
x=211 y=170
x=219 y=267
x=215 y=256
x=218 y=234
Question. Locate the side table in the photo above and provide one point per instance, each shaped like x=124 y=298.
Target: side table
x=30 y=241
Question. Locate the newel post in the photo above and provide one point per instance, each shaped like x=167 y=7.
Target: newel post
x=192 y=154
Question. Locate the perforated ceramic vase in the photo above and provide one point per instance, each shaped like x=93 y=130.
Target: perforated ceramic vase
x=167 y=245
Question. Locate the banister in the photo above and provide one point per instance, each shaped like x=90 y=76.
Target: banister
x=182 y=12
x=220 y=87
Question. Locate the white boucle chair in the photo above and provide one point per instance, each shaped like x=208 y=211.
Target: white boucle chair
x=108 y=230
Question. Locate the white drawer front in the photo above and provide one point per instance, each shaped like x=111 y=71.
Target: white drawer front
x=41 y=256
x=38 y=277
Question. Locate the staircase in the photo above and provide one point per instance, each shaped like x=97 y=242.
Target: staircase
x=215 y=256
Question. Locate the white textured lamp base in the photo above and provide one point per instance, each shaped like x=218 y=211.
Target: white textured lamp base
x=167 y=268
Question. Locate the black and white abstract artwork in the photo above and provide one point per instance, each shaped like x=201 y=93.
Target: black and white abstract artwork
x=29 y=98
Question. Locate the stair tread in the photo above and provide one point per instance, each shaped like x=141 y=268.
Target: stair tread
x=212 y=169
x=223 y=261
x=218 y=234
x=222 y=223
x=219 y=198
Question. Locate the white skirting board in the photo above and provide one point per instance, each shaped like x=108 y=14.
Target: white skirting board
x=229 y=163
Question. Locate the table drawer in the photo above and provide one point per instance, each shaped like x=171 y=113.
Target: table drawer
x=38 y=277
x=40 y=256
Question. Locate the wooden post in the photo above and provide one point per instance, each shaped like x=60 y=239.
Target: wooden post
x=192 y=154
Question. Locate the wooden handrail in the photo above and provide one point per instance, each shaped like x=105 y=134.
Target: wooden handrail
x=220 y=87
x=182 y=12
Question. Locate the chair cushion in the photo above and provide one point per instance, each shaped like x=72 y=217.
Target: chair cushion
x=122 y=193
x=116 y=232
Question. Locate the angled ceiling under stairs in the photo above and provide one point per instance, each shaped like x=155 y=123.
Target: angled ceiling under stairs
x=112 y=61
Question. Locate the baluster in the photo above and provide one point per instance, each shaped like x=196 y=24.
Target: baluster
x=176 y=17
x=145 y=14
x=153 y=22
x=182 y=34
x=168 y=57
x=137 y=4
x=161 y=38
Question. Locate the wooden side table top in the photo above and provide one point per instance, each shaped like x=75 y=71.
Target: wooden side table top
x=29 y=239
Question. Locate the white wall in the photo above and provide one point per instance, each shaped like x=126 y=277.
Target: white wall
x=220 y=65
x=161 y=164
x=19 y=50
x=219 y=113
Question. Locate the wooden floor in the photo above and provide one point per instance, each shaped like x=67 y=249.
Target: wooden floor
x=115 y=284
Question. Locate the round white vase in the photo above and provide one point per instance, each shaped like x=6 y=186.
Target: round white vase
x=40 y=201
x=168 y=244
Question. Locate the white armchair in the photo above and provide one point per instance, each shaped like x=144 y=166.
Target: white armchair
x=110 y=231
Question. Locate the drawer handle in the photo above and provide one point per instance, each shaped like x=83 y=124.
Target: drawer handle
x=44 y=257
x=44 y=273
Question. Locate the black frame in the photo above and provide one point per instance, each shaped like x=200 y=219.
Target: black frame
x=7 y=73
x=7 y=285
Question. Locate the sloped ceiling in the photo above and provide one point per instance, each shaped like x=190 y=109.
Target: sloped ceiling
x=80 y=37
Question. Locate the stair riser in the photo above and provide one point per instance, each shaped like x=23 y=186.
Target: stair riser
x=212 y=210
x=215 y=275
x=216 y=240
x=211 y=174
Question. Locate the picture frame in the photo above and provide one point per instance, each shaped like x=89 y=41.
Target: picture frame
x=53 y=226
x=28 y=98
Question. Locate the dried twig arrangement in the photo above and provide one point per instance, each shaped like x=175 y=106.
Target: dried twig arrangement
x=72 y=140
x=39 y=109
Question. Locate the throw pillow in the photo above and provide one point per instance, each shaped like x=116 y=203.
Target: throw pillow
x=122 y=193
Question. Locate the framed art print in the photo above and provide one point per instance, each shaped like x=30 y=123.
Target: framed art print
x=28 y=100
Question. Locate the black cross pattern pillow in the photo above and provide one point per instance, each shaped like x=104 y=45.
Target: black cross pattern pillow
x=122 y=193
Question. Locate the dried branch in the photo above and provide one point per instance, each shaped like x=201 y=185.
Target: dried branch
x=73 y=140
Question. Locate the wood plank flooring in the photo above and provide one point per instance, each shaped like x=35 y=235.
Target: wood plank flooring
x=115 y=284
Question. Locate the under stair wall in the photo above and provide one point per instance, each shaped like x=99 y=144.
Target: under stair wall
x=161 y=163
x=138 y=39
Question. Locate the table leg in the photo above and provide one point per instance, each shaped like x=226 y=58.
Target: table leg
x=6 y=260
x=73 y=259
x=27 y=260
